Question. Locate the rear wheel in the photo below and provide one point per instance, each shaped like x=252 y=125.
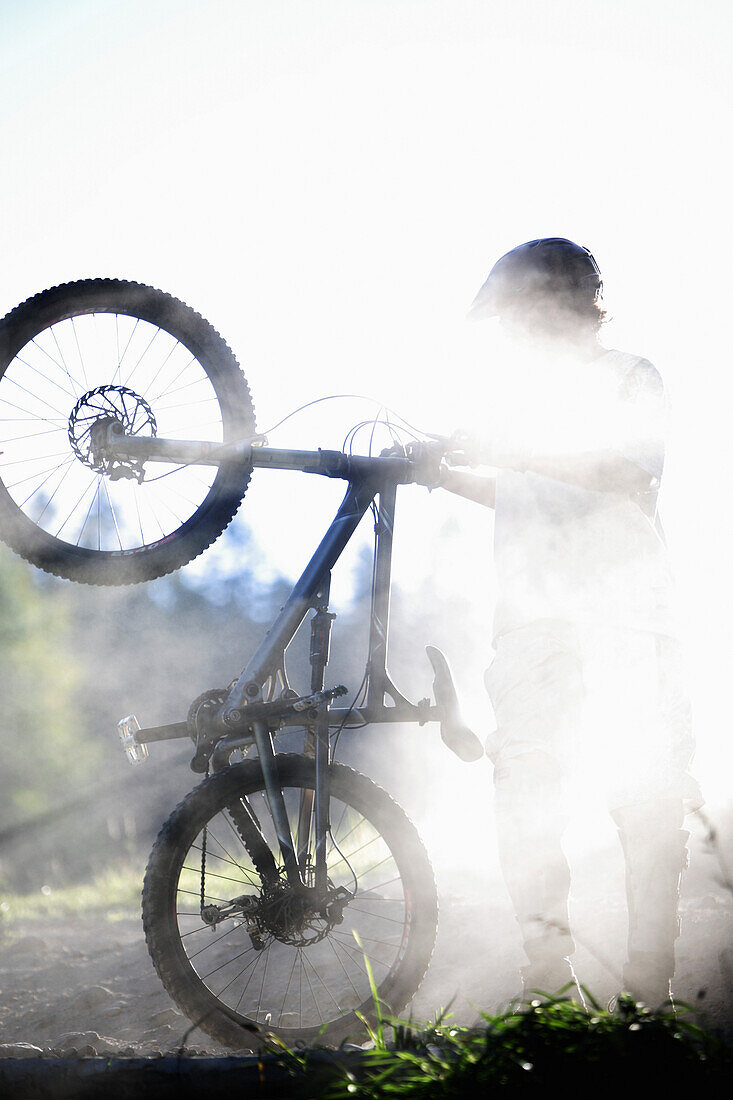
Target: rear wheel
x=94 y=353
x=242 y=956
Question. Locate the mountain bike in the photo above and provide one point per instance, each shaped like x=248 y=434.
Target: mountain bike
x=284 y=884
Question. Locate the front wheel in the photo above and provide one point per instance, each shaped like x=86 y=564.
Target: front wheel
x=238 y=951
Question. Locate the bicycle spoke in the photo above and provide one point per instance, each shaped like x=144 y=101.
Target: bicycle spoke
x=33 y=395
x=89 y=512
x=358 y=954
x=197 y=426
x=229 y=962
x=74 y=383
x=157 y=397
x=331 y=944
x=358 y=957
x=335 y=832
x=114 y=517
x=214 y=942
x=334 y=1002
x=214 y=874
x=262 y=986
x=287 y=988
x=39 y=487
x=230 y=823
x=310 y=987
x=139 y=520
x=178 y=519
x=39 y=473
x=239 y=975
x=229 y=859
x=361 y=848
x=197 y=894
x=249 y=979
x=58 y=385
x=363 y=936
x=160 y=368
x=81 y=357
x=392 y=920
x=147 y=349
x=381 y=887
x=49 y=356
x=118 y=372
x=363 y=874
x=185 y=386
x=188 y=404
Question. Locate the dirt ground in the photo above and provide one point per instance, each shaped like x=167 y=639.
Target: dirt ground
x=88 y=987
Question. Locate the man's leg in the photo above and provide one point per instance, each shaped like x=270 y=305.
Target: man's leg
x=530 y=821
x=655 y=852
x=536 y=689
x=648 y=752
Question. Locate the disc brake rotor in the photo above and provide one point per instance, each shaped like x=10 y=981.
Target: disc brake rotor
x=100 y=408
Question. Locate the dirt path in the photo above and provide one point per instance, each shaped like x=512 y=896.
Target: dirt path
x=89 y=987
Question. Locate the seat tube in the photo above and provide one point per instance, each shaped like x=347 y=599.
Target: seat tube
x=319 y=654
x=379 y=628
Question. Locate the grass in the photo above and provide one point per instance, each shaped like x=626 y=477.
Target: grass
x=115 y=894
x=539 y=1045
x=547 y=1043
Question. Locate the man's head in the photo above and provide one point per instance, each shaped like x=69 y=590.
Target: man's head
x=548 y=288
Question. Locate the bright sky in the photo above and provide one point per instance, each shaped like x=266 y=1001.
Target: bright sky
x=329 y=184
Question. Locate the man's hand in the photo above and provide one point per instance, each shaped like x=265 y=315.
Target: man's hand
x=479 y=488
x=428 y=467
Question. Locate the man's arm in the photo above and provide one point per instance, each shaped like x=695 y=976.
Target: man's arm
x=604 y=471
x=476 y=487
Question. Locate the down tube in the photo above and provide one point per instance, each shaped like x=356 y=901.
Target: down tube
x=265 y=660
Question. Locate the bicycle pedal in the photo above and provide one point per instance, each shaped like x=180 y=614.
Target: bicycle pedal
x=455 y=733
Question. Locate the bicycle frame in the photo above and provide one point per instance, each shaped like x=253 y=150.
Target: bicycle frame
x=367 y=479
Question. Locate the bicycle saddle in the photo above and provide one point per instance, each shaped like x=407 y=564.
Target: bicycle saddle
x=455 y=733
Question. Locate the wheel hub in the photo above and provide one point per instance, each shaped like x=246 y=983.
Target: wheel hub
x=98 y=410
x=290 y=916
x=299 y=919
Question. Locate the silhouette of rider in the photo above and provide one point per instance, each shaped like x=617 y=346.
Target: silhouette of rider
x=585 y=681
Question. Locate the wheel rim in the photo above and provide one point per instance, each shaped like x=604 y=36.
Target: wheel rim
x=50 y=395
x=283 y=986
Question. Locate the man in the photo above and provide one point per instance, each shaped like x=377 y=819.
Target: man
x=585 y=680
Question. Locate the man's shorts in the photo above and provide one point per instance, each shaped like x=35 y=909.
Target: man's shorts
x=605 y=703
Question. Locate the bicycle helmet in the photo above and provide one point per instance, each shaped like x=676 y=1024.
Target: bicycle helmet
x=550 y=263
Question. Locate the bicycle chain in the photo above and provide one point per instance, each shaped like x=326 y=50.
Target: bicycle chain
x=203 y=860
x=208 y=699
x=203 y=704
